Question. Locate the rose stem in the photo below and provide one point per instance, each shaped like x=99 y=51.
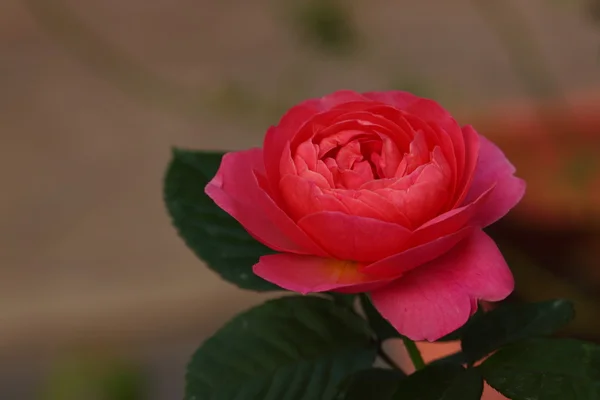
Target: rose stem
x=414 y=353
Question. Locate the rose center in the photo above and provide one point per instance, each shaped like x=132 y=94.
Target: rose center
x=360 y=155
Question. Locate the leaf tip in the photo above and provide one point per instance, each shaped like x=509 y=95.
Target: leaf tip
x=566 y=305
x=176 y=152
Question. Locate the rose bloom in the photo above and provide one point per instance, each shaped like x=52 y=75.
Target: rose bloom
x=380 y=192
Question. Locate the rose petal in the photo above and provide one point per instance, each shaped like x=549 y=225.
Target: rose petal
x=507 y=193
x=423 y=306
x=292 y=121
x=400 y=132
x=277 y=136
x=382 y=114
x=367 y=203
x=400 y=263
x=354 y=178
x=306 y=274
x=494 y=168
x=302 y=197
x=349 y=237
x=430 y=112
x=236 y=190
x=326 y=173
x=390 y=158
x=308 y=152
x=418 y=153
x=340 y=97
x=317 y=178
x=436 y=136
x=437 y=298
x=348 y=155
x=317 y=124
x=287 y=165
x=425 y=198
x=483 y=271
x=450 y=221
x=471 y=138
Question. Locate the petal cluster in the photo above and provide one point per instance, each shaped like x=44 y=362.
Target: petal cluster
x=381 y=192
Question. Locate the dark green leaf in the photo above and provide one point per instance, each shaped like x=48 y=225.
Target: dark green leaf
x=456 y=359
x=382 y=328
x=457 y=334
x=453 y=336
x=344 y=300
x=210 y=232
x=292 y=348
x=513 y=322
x=441 y=382
x=548 y=369
x=374 y=383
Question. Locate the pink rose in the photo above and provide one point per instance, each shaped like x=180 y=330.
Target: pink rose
x=380 y=192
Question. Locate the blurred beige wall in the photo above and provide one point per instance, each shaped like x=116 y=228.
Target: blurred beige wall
x=87 y=254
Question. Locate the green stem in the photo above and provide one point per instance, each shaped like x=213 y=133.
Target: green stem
x=414 y=353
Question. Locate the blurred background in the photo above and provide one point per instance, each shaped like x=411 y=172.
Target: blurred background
x=100 y=300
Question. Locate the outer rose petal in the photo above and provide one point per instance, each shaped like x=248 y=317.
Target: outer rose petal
x=399 y=264
x=236 y=190
x=340 y=97
x=451 y=221
x=349 y=237
x=437 y=298
x=471 y=139
x=494 y=168
x=428 y=110
x=306 y=274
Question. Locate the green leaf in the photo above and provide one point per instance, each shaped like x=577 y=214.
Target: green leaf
x=374 y=383
x=292 y=348
x=548 y=369
x=342 y=299
x=457 y=334
x=210 y=232
x=513 y=322
x=441 y=382
x=382 y=328
x=456 y=359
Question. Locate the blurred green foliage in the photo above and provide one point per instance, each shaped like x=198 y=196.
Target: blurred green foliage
x=581 y=167
x=328 y=25
x=95 y=379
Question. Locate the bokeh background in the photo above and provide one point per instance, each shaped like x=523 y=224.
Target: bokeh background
x=100 y=300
